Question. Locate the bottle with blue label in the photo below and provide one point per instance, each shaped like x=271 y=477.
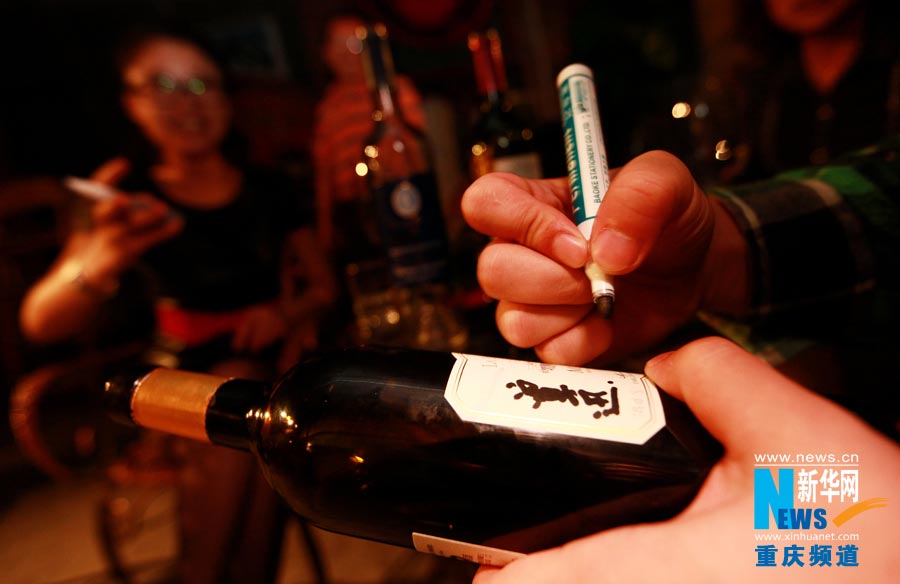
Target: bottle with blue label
x=406 y=206
x=400 y=177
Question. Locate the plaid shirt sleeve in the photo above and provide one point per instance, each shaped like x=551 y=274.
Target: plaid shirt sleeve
x=824 y=233
x=825 y=255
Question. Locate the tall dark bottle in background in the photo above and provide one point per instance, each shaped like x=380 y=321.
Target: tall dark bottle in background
x=453 y=454
x=502 y=141
x=405 y=203
x=499 y=140
x=400 y=177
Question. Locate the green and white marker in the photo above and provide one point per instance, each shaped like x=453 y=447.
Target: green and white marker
x=587 y=166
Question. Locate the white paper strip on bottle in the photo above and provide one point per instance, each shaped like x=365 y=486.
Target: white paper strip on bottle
x=451 y=548
x=538 y=397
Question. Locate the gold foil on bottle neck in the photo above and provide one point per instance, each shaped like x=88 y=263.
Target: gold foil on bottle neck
x=175 y=402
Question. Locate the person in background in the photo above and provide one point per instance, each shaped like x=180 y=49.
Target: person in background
x=212 y=236
x=211 y=233
x=343 y=122
x=816 y=249
x=798 y=84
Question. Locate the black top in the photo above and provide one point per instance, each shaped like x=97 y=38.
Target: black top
x=800 y=127
x=228 y=257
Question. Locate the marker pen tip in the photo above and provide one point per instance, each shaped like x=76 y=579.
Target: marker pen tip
x=605 y=304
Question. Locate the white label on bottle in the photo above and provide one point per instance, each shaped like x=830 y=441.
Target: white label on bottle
x=449 y=548
x=538 y=397
x=525 y=165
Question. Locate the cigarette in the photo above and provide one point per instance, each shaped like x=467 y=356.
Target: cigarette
x=91 y=189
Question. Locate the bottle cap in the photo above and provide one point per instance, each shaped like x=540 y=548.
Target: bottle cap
x=572 y=70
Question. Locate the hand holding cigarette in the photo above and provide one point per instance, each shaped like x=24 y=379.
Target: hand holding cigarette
x=124 y=225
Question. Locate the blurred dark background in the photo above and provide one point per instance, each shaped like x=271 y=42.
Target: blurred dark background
x=58 y=88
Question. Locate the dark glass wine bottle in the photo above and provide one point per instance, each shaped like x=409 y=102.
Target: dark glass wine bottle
x=459 y=455
x=400 y=177
x=501 y=139
x=405 y=203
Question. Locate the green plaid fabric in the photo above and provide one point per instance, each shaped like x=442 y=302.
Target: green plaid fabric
x=825 y=249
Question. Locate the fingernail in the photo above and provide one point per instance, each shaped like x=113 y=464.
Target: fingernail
x=655 y=368
x=614 y=251
x=657 y=361
x=570 y=249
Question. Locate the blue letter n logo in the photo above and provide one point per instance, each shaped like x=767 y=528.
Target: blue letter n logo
x=767 y=496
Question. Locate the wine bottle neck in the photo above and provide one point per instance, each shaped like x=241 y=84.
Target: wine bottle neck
x=234 y=413
x=199 y=406
x=384 y=103
x=490 y=72
x=379 y=69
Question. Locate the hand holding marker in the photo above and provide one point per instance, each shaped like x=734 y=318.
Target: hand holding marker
x=587 y=166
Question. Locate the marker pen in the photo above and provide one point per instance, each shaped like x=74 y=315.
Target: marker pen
x=587 y=166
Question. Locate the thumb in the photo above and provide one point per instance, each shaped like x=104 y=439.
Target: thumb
x=645 y=198
x=745 y=403
x=112 y=171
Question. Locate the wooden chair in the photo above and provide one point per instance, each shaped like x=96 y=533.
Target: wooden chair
x=56 y=418
x=55 y=396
